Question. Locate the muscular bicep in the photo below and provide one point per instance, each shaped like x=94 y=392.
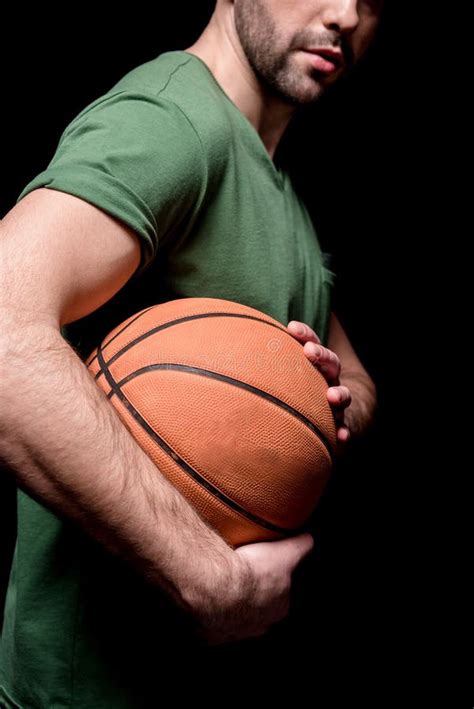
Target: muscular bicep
x=61 y=258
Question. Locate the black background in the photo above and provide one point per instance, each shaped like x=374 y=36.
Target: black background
x=353 y=158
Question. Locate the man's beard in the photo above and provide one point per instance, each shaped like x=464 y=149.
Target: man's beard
x=270 y=61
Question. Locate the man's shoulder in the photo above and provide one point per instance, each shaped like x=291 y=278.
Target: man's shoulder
x=184 y=80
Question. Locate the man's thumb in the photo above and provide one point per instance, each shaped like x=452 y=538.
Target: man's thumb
x=299 y=547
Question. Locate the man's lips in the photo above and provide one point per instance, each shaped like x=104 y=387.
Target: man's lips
x=326 y=60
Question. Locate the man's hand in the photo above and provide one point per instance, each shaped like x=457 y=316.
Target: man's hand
x=327 y=361
x=259 y=595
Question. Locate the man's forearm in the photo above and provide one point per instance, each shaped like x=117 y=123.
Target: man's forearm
x=360 y=414
x=69 y=449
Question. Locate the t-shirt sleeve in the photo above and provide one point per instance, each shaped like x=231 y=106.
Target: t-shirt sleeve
x=136 y=156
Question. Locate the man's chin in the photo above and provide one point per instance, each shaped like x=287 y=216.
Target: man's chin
x=306 y=90
x=310 y=93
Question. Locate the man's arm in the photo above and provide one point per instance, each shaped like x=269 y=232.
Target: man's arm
x=60 y=259
x=359 y=414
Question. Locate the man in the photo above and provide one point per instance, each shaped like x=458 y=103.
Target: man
x=163 y=187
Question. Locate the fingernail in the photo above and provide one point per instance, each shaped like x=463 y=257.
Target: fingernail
x=299 y=329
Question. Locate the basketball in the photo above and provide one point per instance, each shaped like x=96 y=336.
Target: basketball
x=224 y=401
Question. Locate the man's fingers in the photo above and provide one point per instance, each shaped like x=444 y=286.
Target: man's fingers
x=297 y=548
x=339 y=396
x=343 y=434
x=303 y=332
x=326 y=360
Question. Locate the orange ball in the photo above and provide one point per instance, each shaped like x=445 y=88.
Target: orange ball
x=224 y=401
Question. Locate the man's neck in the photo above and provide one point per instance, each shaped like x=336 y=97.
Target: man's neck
x=221 y=51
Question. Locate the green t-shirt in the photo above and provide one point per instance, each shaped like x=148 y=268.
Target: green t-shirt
x=168 y=153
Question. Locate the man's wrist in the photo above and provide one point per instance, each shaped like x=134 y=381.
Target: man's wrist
x=221 y=580
x=359 y=415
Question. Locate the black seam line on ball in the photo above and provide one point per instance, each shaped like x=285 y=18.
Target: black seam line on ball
x=178 y=322
x=234 y=382
x=119 y=333
x=229 y=502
